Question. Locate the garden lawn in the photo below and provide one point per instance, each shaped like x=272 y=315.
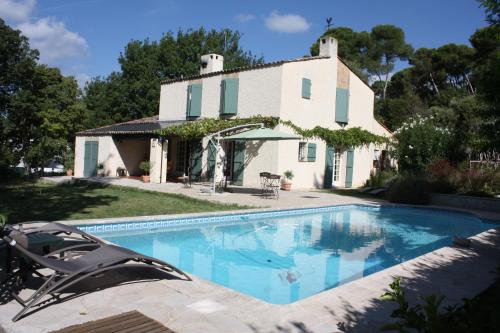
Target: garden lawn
x=46 y=201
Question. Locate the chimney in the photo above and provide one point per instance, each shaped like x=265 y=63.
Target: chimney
x=328 y=47
x=211 y=63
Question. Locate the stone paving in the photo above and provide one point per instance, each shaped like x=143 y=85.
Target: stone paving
x=241 y=196
x=201 y=306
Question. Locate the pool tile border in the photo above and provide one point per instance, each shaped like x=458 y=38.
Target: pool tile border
x=161 y=222
x=165 y=222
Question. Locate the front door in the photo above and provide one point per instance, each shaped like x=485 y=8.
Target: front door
x=90 y=159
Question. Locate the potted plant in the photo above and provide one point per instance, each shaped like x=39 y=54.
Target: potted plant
x=286 y=184
x=100 y=169
x=145 y=166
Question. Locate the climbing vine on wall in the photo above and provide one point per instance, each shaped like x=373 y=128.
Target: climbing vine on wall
x=351 y=137
x=203 y=127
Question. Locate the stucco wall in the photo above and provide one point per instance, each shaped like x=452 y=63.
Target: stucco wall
x=319 y=109
x=112 y=154
x=258 y=93
x=306 y=174
x=79 y=155
x=132 y=153
x=361 y=104
x=260 y=156
x=173 y=99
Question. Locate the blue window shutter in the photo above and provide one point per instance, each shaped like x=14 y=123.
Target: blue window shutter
x=328 y=177
x=349 y=168
x=229 y=100
x=238 y=162
x=342 y=106
x=90 y=158
x=306 y=88
x=311 y=152
x=211 y=160
x=194 y=100
x=197 y=153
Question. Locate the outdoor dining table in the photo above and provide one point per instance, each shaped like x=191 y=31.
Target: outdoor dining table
x=270 y=184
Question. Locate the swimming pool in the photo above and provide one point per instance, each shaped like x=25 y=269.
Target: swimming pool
x=284 y=256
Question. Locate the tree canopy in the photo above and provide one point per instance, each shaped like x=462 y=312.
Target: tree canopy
x=40 y=108
x=134 y=92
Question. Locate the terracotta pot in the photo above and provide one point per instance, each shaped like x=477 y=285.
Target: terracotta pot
x=286 y=186
x=145 y=179
x=69 y=172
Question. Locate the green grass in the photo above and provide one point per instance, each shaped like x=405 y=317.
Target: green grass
x=25 y=201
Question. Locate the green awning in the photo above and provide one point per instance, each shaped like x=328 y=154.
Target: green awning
x=262 y=134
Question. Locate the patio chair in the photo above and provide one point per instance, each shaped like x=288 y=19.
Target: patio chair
x=68 y=271
x=264 y=180
x=273 y=186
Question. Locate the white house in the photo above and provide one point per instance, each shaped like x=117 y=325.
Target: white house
x=308 y=91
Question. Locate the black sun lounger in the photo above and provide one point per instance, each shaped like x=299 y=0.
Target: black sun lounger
x=65 y=230
x=68 y=271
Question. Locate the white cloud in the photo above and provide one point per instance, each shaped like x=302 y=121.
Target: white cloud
x=288 y=23
x=53 y=40
x=16 y=10
x=244 y=18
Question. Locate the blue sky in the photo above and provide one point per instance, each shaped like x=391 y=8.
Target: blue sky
x=85 y=37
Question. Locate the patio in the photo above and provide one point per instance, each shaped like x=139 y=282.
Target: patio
x=236 y=194
x=202 y=306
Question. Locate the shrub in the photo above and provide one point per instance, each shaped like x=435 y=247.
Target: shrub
x=475 y=315
x=442 y=177
x=380 y=178
x=483 y=181
x=440 y=169
x=409 y=190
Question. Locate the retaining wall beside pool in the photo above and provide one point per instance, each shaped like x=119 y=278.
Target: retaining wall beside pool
x=466 y=202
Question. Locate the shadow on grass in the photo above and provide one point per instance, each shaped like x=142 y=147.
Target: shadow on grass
x=41 y=201
x=462 y=274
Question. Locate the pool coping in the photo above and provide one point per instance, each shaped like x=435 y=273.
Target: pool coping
x=360 y=292
x=311 y=298
x=144 y=218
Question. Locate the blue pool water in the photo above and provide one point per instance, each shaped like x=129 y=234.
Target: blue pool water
x=285 y=258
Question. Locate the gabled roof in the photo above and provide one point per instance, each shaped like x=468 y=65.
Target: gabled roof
x=147 y=125
x=242 y=69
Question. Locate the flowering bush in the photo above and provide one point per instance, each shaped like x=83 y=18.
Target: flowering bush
x=480 y=181
x=418 y=142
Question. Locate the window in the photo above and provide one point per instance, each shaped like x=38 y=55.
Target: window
x=336 y=166
x=180 y=164
x=306 y=88
x=194 y=100
x=302 y=151
x=229 y=96
x=307 y=152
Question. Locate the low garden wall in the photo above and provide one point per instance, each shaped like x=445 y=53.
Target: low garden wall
x=467 y=202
